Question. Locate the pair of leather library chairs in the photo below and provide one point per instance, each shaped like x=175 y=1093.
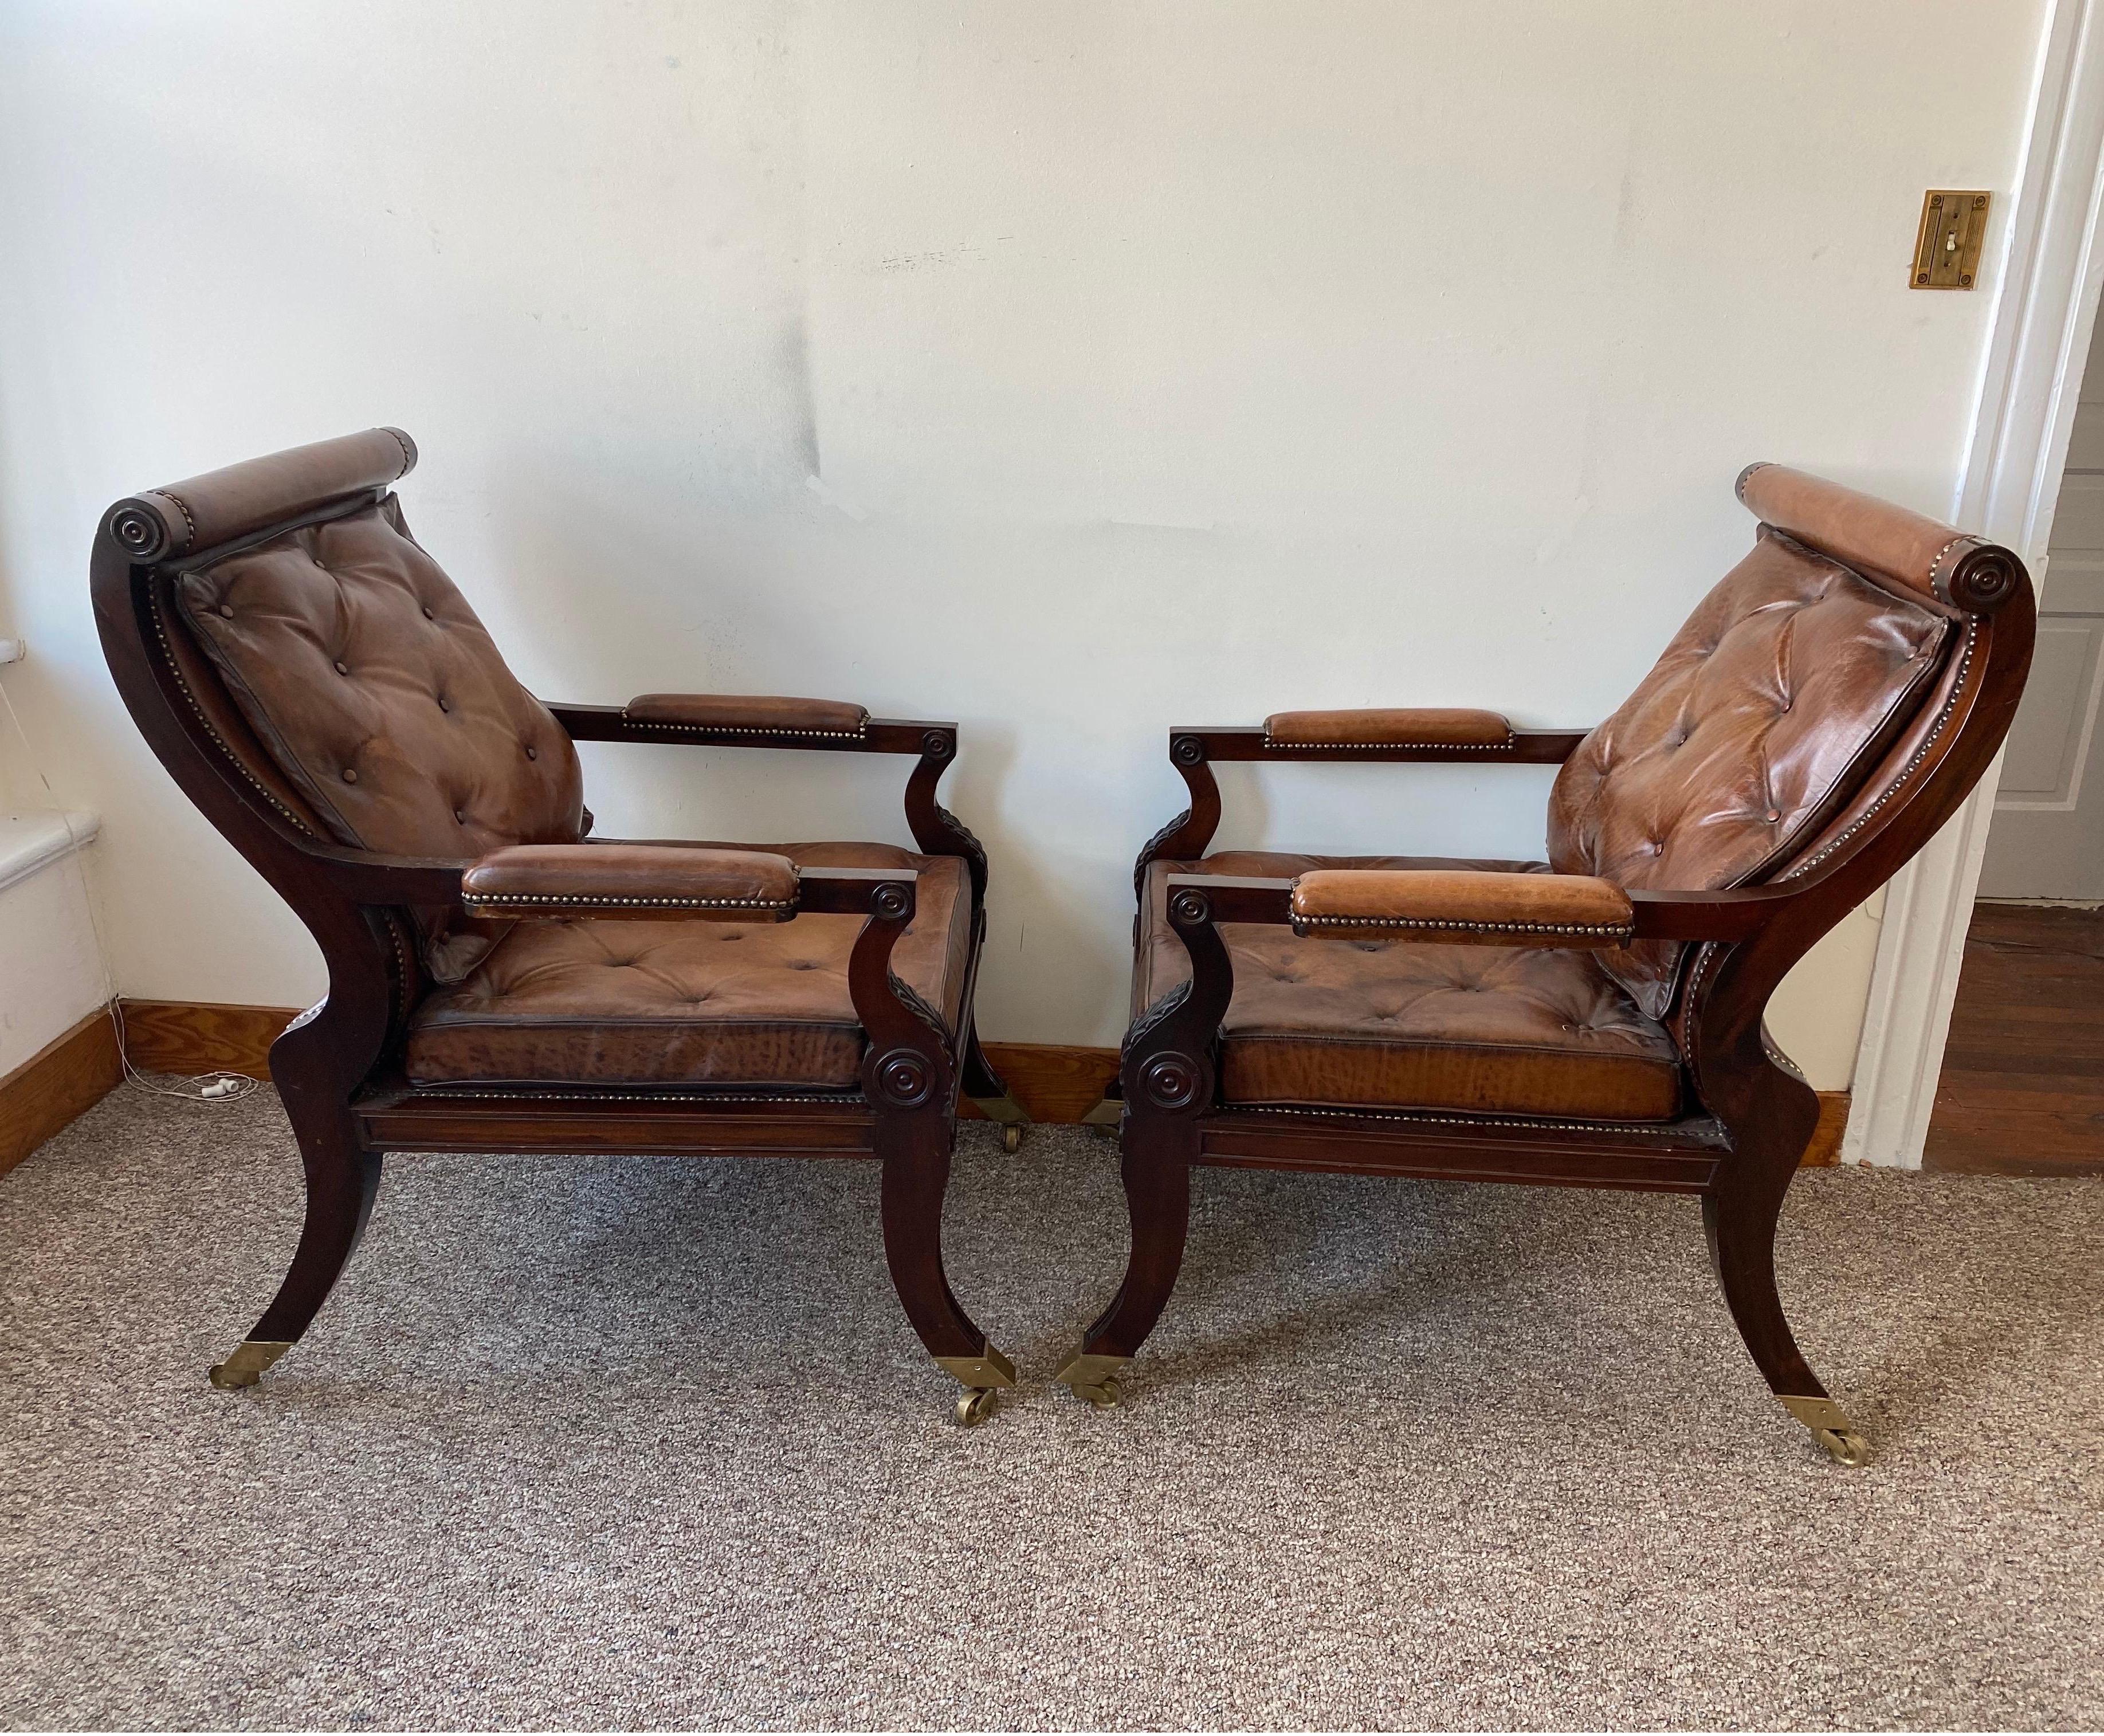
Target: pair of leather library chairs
x=499 y=981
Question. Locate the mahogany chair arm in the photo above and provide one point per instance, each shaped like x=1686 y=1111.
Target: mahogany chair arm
x=672 y=882
x=1460 y=908
x=635 y=882
x=1733 y=914
x=1729 y=914
x=696 y=719
x=749 y=714
x=717 y=720
x=365 y=877
x=1424 y=736
x=1430 y=726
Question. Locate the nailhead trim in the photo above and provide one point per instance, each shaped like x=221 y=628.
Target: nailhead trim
x=644 y=1093
x=1702 y=963
x=1709 y=949
x=1939 y=578
x=175 y=669
x=495 y=904
x=176 y=500
x=1706 y=953
x=1504 y=746
x=407 y=978
x=1613 y=931
x=1907 y=771
x=741 y=729
x=1649 y=1128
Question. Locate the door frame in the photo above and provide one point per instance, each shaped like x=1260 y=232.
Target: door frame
x=2031 y=378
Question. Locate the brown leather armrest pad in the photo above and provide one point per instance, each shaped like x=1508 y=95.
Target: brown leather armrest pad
x=748 y=713
x=1459 y=908
x=1424 y=726
x=646 y=882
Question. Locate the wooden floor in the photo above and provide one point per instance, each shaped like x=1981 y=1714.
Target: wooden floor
x=2023 y=1091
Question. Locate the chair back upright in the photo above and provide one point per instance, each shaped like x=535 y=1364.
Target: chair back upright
x=1770 y=723
x=327 y=655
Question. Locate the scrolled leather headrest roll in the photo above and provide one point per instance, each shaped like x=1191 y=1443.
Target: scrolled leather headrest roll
x=1887 y=542
x=182 y=518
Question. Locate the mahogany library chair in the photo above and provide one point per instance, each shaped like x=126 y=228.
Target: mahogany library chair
x=499 y=980
x=1593 y=1020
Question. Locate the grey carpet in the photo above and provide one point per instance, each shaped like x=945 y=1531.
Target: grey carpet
x=593 y=1443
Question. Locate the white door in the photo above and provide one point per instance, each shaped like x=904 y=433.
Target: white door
x=2048 y=838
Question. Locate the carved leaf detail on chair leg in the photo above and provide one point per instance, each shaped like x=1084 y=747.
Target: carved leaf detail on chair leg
x=1154 y=847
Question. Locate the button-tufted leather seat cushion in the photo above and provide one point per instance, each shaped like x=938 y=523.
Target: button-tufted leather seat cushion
x=1762 y=718
x=706 y=1003
x=383 y=699
x=1381 y=1024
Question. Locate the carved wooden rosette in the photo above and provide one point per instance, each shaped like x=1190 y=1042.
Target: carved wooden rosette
x=1170 y=1063
x=911 y=1062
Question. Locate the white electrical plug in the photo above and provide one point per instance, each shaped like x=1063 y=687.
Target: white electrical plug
x=12 y=650
x=225 y=1085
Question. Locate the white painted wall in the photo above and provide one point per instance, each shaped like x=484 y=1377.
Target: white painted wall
x=52 y=970
x=1159 y=362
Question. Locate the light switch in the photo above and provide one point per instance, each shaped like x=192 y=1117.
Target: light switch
x=1946 y=251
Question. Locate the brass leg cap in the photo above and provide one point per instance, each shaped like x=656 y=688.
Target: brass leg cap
x=989 y=1368
x=977 y=1405
x=1094 y=1378
x=245 y=1367
x=1837 y=1437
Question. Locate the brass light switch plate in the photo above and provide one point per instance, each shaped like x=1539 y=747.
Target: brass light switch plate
x=1946 y=251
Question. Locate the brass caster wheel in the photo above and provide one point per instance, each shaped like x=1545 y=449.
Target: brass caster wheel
x=977 y=1405
x=1094 y=1377
x=1009 y=1113
x=1843 y=1446
x=1831 y=1427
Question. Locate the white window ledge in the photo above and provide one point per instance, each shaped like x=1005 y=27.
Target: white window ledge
x=29 y=842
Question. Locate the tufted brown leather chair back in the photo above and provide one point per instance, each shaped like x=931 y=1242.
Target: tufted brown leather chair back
x=1766 y=715
x=380 y=700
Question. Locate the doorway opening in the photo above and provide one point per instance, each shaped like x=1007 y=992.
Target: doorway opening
x=2022 y=1087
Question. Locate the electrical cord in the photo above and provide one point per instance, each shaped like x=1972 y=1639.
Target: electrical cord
x=216 y=1089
